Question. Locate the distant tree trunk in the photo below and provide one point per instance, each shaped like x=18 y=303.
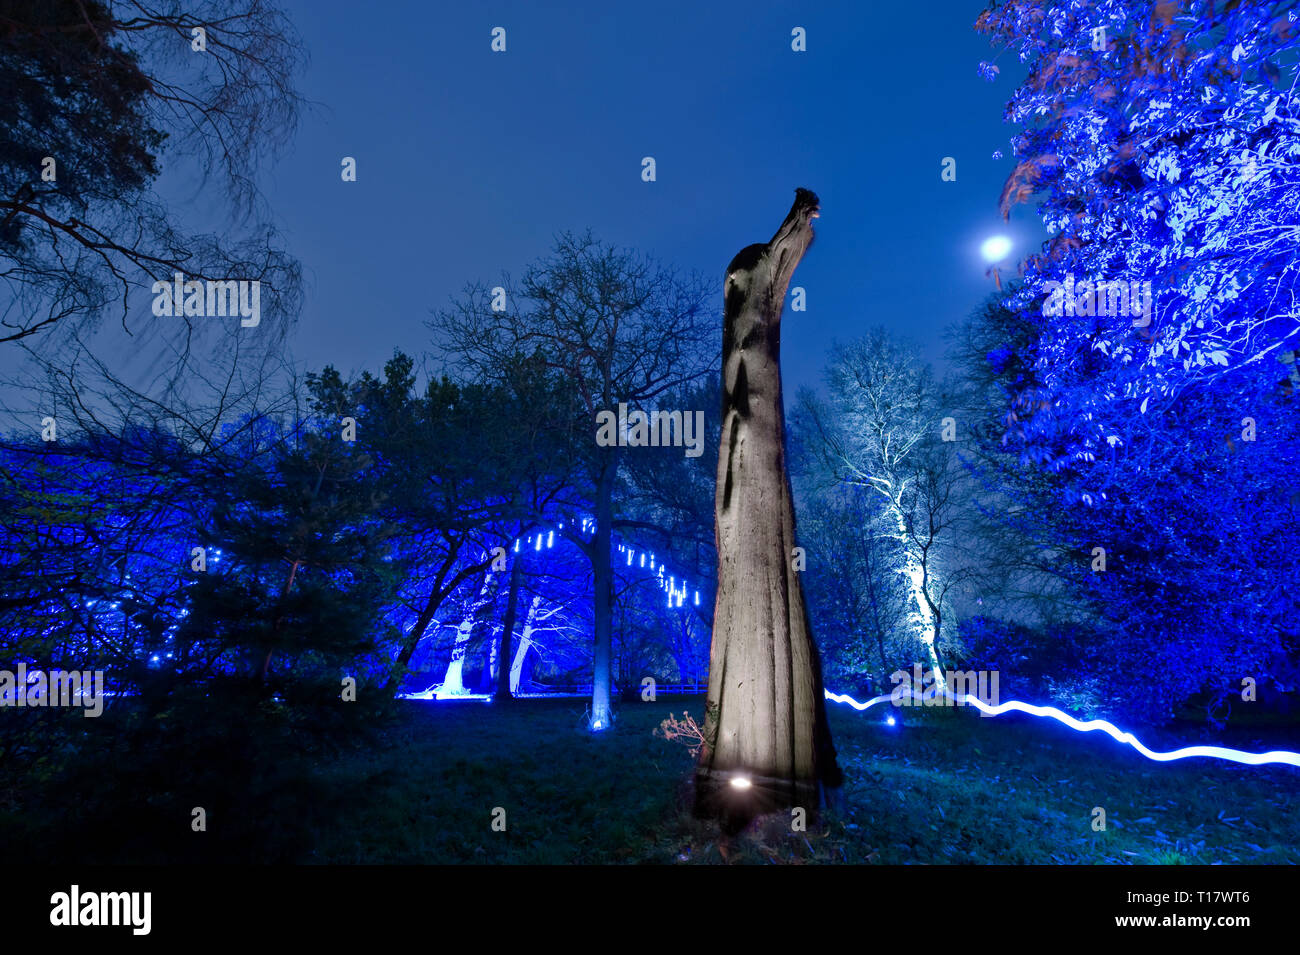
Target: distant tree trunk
x=490 y=671
x=602 y=572
x=433 y=603
x=683 y=648
x=279 y=619
x=413 y=638
x=454 y=682
x=915 y=571
x=503 y=691
x=765 y=725
x=525 y=644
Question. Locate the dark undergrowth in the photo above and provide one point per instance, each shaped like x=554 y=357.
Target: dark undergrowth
x=427 y=784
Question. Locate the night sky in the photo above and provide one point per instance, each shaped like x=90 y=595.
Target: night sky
x=286 y=596
x=470 y=161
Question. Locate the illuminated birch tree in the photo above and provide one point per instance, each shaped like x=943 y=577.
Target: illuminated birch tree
x=880 y=430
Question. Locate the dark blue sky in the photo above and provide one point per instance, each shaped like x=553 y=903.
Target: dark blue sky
x=469 y=161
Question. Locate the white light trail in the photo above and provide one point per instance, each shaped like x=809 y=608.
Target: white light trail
x=1285 y=757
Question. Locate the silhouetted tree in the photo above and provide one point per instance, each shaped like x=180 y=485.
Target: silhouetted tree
x=615 y=328
x=96 y=93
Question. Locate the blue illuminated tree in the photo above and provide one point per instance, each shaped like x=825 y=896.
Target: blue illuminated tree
x=1148 y=383
x=616 y=327
x=295 y=598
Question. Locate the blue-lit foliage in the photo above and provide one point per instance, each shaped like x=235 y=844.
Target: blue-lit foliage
x=1163 y=144
x=92 y=552
x=282 y=554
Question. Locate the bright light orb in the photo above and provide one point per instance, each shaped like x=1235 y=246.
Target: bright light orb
x=995 y=248
x=741 y=782
x=890 y=720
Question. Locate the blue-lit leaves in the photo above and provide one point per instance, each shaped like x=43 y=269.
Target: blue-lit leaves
x=1171 y=161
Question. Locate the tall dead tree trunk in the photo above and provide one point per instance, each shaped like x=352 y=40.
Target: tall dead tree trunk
x=767 y=746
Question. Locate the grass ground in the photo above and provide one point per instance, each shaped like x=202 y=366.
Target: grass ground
x=948 y=787
x=425 y=787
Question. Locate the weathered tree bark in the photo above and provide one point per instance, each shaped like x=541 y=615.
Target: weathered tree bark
x=767 y=746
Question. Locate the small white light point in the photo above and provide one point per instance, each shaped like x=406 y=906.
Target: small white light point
x=890 y=720
x=741 y=782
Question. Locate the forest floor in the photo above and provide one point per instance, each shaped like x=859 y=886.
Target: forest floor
x=947 y=787
x=425 y=784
